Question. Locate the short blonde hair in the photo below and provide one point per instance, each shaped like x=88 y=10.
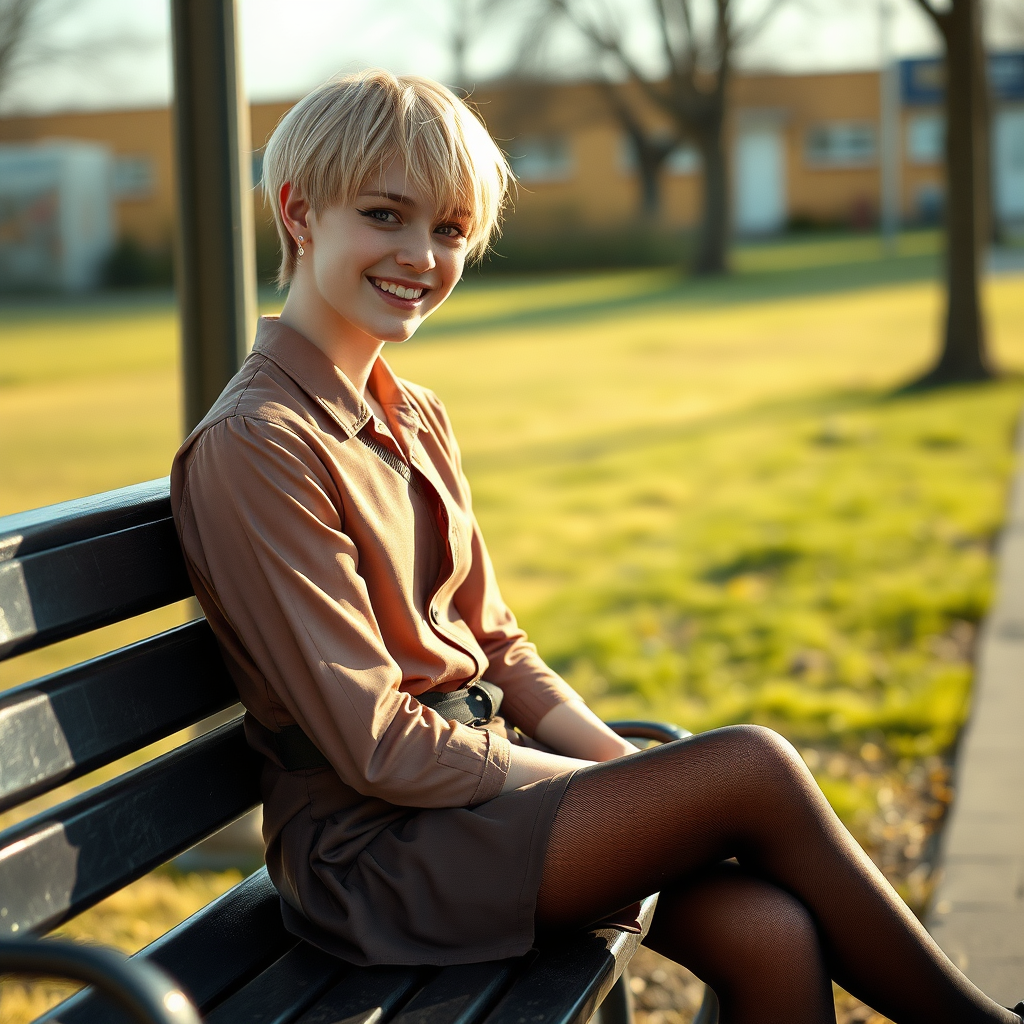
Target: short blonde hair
x=330 y=144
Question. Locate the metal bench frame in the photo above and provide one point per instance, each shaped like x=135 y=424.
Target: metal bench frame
x=76 y=566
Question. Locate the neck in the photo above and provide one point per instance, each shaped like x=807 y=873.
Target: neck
x=352 y=351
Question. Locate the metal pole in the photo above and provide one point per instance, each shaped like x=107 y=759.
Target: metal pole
x=216 y=270
x=890 y=154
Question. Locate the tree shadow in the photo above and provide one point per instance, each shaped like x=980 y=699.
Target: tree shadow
x=701 y=292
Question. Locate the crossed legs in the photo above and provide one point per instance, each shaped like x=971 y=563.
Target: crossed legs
x=801 y=905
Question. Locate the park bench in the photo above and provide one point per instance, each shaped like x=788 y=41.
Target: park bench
x=80 y=565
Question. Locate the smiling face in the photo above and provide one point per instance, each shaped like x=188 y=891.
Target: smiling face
x=381 y=264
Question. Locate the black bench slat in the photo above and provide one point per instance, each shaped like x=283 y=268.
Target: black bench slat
x=283 y=990
x=68 y=522
x=462 y=994
x=370 y=995
x=64 y=860
x=211 y=954
x=64 y=725
x=61 y=592
x=567 y=981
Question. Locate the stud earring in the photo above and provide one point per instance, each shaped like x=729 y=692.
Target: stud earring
x=302 y=251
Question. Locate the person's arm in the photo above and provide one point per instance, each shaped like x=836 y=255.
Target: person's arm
x=574 y=730
x=260 y=522
x=527 y=765
x=580 y=738
x=533 y=691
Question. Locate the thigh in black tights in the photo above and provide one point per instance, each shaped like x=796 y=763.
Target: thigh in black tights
x=801 y=905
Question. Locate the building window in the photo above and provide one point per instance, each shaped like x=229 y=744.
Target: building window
x=133 y=177
x=926 y=137
x=684 y=159
x=928 y=203
x=841 y=144
x=541 y=159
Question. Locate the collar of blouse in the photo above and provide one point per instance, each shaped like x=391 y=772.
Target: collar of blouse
x=332 y=390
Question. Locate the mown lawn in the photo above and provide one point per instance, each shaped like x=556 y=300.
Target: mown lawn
x=705 y=501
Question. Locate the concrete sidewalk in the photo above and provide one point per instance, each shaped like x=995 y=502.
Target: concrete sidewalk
x=977 y=913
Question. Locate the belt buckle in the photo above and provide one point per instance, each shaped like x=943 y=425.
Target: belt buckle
x=480 y=694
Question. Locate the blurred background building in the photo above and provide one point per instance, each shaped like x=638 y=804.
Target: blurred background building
x=805 y=153
x=56 y=213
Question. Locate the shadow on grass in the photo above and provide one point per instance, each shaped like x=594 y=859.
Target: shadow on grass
x=932 y=382
x=696 y=292
x=590 y=449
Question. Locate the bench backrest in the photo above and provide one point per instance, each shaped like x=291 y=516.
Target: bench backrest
x=65 y=570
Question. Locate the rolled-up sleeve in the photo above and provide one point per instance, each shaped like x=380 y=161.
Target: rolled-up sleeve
x=261 y=524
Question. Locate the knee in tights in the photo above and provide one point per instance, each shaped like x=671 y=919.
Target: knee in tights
x=753 y=943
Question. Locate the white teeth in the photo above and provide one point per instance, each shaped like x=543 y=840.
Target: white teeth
x=397 y=289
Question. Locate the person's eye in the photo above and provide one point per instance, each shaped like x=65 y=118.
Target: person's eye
x=451 y=230
x=381 y=214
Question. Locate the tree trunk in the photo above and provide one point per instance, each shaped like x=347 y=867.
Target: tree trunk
x=713 y=242
x=987 y=227
x=650 y=165
x=964 y=356
x=649 y=149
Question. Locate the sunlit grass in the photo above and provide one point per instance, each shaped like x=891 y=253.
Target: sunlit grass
x=709 y=513
x=817 y=253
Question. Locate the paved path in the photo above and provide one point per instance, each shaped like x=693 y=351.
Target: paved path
x=977 y=914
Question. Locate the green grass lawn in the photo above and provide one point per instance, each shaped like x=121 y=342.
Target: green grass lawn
x=705 y=500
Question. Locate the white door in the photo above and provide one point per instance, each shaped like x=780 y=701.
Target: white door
x=759 y=181
x=1008 y=169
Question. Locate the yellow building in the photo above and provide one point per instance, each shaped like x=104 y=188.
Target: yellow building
x=802 y=148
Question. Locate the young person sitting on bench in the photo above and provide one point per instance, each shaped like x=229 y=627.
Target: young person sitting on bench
x=433 y=792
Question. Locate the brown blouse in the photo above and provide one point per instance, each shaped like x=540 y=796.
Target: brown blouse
x=340 y=565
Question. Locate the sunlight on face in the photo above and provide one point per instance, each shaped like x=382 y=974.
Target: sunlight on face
x=385 y=262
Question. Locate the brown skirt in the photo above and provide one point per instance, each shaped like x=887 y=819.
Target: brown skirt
x=439 y=886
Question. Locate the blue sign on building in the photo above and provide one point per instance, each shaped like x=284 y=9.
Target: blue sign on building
x=923 y=79
x=1006 y=76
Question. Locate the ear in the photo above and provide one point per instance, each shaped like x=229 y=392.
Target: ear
x=294 y=211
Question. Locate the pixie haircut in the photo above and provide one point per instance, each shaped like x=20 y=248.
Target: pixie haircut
x=351 y=129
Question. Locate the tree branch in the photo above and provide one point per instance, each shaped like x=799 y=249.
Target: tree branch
x=661 y=16
x=14 y=17
x=740 y=37
x=689 y=68
x=605 y=42
x=941 y=18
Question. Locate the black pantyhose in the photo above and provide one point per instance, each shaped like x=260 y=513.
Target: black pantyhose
x=801 y=905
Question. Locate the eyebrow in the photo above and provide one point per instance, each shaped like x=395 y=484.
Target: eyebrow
x=395 y=197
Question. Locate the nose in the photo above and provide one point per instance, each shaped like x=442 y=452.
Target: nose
x=417 y=254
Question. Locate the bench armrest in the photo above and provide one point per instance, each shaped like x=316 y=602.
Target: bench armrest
x=142 y=990
x=661 y=732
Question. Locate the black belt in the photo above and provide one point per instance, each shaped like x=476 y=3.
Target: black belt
x=472 y=705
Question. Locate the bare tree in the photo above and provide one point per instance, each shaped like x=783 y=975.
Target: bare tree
x=14 y=27
x=468 y=21
x=692 y=92
x=27 y=39
x=964 y=354
x=651 y=148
